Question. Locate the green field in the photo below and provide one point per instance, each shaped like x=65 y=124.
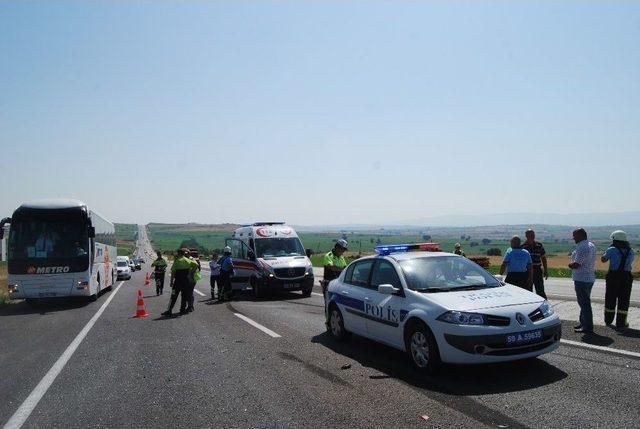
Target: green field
x=474 y=241
x=4 y=294
x=126 y=238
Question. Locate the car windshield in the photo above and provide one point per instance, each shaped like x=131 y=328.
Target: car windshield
x=122 y=264
x=443 y=273
x=273 y=247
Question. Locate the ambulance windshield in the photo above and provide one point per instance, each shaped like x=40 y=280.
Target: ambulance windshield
x=274 y=247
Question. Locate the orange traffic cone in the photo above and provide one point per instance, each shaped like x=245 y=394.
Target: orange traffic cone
x=147 y=280
x=140 y=311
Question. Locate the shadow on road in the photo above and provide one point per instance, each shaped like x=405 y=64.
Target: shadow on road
x=597 y=339
x=629 y=332
x=43 y=306
x=247 y=296
x=458 y=380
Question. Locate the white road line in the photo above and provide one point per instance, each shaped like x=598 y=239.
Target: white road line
x=317 y=294
x=601 y=348
x=198 y=292
x=19 y=417
x=257 y=325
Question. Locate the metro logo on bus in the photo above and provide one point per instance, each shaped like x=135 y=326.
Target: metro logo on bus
x=48 y=270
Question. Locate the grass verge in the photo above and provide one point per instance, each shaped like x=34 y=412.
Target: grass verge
x=4 y=293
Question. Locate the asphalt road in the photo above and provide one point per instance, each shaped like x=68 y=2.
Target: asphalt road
x=212 y=368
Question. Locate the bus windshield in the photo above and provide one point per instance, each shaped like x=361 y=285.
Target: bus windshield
x=274 y=247
x=39 y=239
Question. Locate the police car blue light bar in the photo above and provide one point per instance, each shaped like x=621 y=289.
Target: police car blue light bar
x=397 y=248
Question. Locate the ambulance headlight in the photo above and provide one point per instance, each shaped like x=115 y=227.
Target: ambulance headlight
x=12 y=288
x=462 y=318
x=546 y=309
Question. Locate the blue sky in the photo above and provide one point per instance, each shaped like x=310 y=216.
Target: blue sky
x=321 y=112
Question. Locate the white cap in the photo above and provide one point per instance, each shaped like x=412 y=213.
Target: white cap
x=619 y=235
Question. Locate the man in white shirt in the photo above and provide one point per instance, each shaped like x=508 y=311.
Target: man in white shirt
x=583 y=262
x=214 y=266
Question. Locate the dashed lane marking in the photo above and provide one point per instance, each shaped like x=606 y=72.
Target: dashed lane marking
x=20 y=417
x=257 y=325
x=601 y=348
x=198 y=292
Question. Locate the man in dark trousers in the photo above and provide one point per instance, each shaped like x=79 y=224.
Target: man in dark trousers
x=181 y=274
x=538 y=261
x=226 y=272
x=193 y=280
x=619 y=279
x=159 y=270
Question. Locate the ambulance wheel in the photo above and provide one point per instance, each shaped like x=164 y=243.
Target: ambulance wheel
x=422 y=347
x=93 y=298
x=336 y=324
x=258 y=292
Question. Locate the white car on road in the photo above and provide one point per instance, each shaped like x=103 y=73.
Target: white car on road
x=438 y=307
x=123 y=267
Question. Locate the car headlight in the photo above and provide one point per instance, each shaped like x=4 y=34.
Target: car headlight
x=462 y=318
x=309 y=270
x=546 y=309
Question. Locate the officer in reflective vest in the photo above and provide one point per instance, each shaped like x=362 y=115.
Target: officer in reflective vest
x=159 y=270
x=181 y=276
x=334 y=262
x=619 y=279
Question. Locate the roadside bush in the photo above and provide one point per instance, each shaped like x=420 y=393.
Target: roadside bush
x=494 y=251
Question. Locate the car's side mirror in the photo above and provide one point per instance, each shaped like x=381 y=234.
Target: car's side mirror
x=251 y=255
x=92 y=232
x=309 y=252
x=388 y=289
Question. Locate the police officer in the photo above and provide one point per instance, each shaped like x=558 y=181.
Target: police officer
x=619 y=279
x=334 y=262
x=539 y=261
x=517 y=262
x=159 y=270
x=181 y=272
x=226 y=272
x=457 y=249
x=193 y=280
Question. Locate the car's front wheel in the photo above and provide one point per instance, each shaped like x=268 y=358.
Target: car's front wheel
x=336 y=324
x=422 y=348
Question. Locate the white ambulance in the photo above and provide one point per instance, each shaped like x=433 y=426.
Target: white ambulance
x=269 y=257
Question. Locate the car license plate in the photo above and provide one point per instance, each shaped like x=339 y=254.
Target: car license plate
x=524 y=337
x=291 y=285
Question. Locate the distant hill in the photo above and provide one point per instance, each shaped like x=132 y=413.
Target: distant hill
x=571 y=219
x=194 y=227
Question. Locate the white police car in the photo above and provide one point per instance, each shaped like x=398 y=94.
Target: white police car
x=438 y=307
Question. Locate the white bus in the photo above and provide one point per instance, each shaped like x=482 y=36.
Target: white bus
x=59 y=248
